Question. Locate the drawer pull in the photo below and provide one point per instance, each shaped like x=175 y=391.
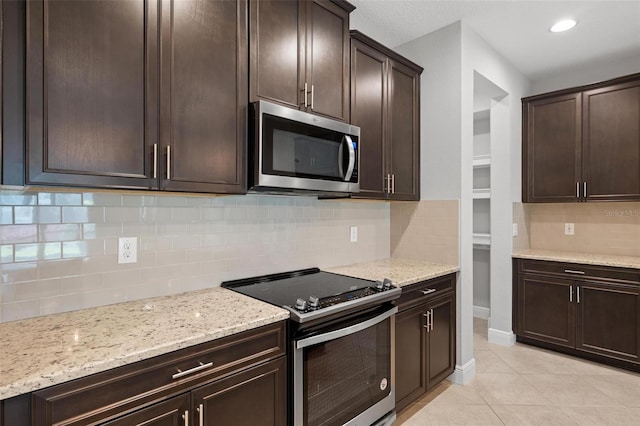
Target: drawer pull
x=185 y=417
x=428 y=291
x=181 y=373
x=572 y=271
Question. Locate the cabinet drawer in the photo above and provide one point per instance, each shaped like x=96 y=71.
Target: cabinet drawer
x=425 y=290
x=102 y=396
x=579 y=271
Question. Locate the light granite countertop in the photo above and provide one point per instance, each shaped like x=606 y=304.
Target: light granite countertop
x=400 y=271
x=584 y=258
x=44 y=351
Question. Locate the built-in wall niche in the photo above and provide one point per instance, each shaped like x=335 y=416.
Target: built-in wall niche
x=481 y=178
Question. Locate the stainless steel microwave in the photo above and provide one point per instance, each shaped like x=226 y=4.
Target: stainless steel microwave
x=294 y=151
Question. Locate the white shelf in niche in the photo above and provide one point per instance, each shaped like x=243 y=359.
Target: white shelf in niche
x=483 y=240
x=482 y=160
x=480 y=193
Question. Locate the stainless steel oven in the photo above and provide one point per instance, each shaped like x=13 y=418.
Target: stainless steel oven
x=342 y=341
x=343 y=373
x=294 y=151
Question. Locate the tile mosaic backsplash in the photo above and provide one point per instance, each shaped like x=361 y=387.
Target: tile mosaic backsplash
x=599 y=228
x=59 y=249
x=425 y=230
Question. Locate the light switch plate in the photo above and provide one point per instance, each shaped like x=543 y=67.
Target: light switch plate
x=514 y=230
x=127 y=250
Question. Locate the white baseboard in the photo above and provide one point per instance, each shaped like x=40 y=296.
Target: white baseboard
x=463 y=374
x=503 y=338
x=481 y=312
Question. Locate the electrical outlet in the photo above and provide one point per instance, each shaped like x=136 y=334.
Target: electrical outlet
x=514 y=230
x=568 y=229
x=127 y=250
x=354 y=234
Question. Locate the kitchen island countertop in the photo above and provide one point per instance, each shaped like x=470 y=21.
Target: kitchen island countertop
x=39 y=352
x=581 y=258
x=401 y=272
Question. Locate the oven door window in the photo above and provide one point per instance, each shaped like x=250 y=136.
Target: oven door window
x=345 y=376
x=300 y=150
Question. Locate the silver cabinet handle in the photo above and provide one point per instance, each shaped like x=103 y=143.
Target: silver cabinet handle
x=304 y=104
x=428 y=324
x=570 y=294
x=577 y=189
x=185 y=417
x=200 y=367
x=169 y=162
x=201 y=414
x=393 y=183
x=431 y=319
x=573 y=271
x=584 y=189
x=387 y=180
x=155 y=160
x=428 y=291
x=578 y=293
x=312 y=97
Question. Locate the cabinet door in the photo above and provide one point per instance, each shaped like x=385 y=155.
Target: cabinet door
x=92 y=92
x=552 y=149
x=276 y=51
x=327 y=58
x=441 y=346
x=168 y=413
x=608 y=320
x=546 y=309
x=403 y=137
x=410 y=355
x=369 y=112
x=204 y=95
x=611 y=141
x=255 y=397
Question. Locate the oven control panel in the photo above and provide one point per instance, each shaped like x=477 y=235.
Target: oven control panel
x=315 y=303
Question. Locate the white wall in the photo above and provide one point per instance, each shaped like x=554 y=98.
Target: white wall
x=579 y=76
x=439 y=54
x=441 y=148
x=480 y=57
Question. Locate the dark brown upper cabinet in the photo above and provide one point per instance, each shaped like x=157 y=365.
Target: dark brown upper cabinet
x=300 y=55
x=137 y=94
x=385 y=104
x=583 y=144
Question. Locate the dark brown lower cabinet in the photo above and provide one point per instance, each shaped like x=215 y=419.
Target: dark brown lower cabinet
x=252 y=397
x=585 y=310
x=236 y=380
x=425 y=337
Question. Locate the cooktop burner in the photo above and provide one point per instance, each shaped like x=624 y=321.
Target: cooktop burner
x=311 y=293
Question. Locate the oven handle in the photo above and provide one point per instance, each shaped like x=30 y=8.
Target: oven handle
x=336 y=334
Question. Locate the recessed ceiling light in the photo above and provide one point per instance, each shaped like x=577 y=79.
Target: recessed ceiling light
x=564 y=25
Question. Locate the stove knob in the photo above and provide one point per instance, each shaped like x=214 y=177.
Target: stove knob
x=313 y=302
x=379 y=285
x=301 y=305
x=387 y=283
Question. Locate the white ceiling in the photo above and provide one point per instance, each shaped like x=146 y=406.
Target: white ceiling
x=607 y=30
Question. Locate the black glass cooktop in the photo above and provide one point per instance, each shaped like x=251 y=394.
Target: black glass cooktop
x=284 y=289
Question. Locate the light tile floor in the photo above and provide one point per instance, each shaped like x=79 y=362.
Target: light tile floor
x=524 y=385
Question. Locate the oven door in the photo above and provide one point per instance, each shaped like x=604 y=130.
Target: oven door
x=344 y=375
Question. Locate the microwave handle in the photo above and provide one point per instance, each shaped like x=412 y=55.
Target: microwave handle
x=352 y=157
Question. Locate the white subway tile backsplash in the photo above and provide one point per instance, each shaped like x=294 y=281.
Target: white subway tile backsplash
x=6 y=215
x=79 y=214
x=11 y=234
x=37 y=251
x=59 y=232
x=184 y=243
